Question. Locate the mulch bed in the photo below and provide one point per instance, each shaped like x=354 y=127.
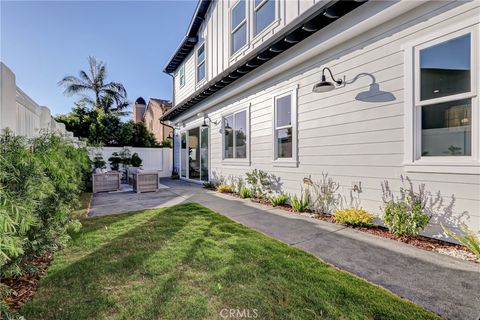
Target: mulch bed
x=430 y=244
x=24 y=287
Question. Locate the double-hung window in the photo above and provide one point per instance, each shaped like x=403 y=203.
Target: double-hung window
x=264 y=13
x=445 y=116
x=239 y=26
x=235 y=135
x=182 y=75
x=201 y=62
x=284 y=127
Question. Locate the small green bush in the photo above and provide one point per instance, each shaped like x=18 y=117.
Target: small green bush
x=115 y=161
x=245 y=192
x=278 y=200
x=302 y=203
x=469 y=239
x=225 y=188
x=354 y=217
x=208 y=185
x=407 y=214
x=136 y=160
x=98 y=162
x=260 y=183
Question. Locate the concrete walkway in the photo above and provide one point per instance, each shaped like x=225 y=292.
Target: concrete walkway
x=445 y=285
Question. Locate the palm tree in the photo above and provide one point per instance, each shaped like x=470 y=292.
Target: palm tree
x=104 y=94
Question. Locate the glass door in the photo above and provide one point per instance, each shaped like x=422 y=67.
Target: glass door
x=204 y=154
x=194 y=154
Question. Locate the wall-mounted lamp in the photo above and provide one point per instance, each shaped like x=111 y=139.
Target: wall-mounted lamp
x=205 y=117
x=324 y=85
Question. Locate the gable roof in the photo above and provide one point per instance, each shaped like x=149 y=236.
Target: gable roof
x=191 y=38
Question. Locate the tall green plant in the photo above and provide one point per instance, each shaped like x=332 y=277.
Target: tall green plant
x=40 y=182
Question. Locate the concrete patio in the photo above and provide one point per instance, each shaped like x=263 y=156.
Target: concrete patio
x=442 y=284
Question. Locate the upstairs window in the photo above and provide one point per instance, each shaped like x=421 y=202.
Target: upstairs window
x=239 y=26
x=445 y=96
x=201 y=62
x=264 y=13
x=182 y=75
x=235 y=135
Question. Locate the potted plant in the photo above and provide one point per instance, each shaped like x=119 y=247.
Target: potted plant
x=115 y=161
x=136 y=161
x=98 y=162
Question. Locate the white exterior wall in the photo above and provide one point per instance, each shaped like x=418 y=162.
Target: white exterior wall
x=20 y=113
x=353 y=141
x=216 y=31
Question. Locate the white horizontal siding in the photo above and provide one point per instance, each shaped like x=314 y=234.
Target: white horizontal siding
x=353 y=141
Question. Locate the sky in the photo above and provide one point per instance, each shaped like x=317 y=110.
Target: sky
x=43 y=41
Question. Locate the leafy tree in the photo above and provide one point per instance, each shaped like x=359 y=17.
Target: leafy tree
x=93 y=81
x=136 y=134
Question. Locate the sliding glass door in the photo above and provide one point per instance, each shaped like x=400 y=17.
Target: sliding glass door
x=194 y=154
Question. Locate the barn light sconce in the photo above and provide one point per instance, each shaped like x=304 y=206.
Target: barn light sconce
x=205 y=117
x=324 y=85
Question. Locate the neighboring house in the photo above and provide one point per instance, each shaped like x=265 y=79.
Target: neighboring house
x=150 y=114
x=245 y=74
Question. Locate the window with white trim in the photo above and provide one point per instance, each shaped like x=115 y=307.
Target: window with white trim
x=445 y=95
x=235 y=135
x=264 y=14
x=182 y=75
x=201 y=62
x=238 y=26
x=284 y=127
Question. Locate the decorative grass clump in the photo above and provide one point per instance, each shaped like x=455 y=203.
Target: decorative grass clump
x=225 y=188
x=354 y=217
x=278 y=200
x=245 y=193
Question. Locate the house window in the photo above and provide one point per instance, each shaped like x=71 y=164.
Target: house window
x=201 y=62
x=235 y=135
x=182 y=75
x=283 y=127
x=239 y=26
x=264 y=13
x=444 y=96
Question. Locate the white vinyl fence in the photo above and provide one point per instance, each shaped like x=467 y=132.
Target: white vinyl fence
x=159 y=159
x=21 y=114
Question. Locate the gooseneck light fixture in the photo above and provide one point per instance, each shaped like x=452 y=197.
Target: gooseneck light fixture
x=205 y=117
x=324 y=85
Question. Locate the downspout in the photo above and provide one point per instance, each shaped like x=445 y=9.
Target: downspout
x=174 y=172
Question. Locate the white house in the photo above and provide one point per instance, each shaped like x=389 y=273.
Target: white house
x=405 y=100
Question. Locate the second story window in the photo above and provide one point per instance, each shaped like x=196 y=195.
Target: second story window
x=239 y=26
x=182 y=75
x=201 y=62
x=264 y=13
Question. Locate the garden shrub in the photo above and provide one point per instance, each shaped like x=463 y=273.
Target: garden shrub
x=302 y=203
x=98 y=162
x=407 y=214
x=225 y=188
x=278 y=200
x=354 y=217
x=324 y=195
x=469 y=239
x=115 y=161
x=40 y=183
x=260 y=183
x=244 y=192
x=136 y=160
x=208 y=185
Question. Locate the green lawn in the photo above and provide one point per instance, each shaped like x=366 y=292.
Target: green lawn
x=187 y=262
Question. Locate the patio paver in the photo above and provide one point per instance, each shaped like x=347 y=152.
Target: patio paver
x=445 y=285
